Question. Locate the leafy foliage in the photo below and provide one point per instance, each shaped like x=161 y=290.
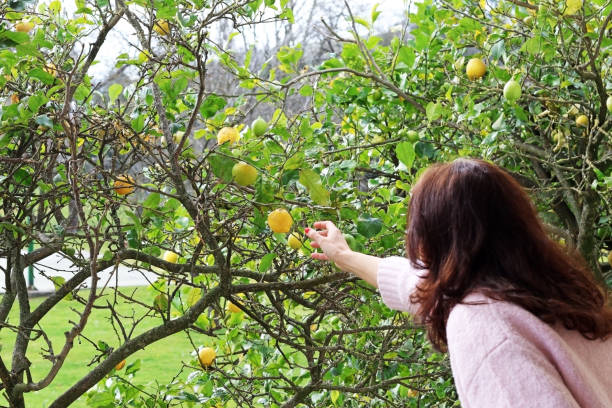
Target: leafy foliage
x=367 y=121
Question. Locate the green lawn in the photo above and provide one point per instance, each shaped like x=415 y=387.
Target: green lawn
x=159 y=362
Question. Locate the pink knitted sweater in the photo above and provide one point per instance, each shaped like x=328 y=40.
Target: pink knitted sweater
x=503 y=356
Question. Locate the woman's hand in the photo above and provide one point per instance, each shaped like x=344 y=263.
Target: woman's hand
x=330 y=240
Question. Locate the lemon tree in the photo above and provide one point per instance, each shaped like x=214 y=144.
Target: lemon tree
x=136 y=174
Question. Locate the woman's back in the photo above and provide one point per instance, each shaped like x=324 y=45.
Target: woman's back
x=504 y=356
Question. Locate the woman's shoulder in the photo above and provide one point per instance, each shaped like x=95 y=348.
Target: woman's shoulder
x=492 y=318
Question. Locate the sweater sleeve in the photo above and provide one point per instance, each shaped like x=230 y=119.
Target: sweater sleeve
x=397 y=280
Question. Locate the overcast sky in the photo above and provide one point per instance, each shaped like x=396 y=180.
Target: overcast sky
x=117 y=42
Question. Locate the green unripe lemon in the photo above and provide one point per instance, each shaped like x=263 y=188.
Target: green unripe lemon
x=512 y=90
x=244 y=174
x=259 y=127
x=294 y=241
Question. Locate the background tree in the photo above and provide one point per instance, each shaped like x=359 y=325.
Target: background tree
x=120 y=176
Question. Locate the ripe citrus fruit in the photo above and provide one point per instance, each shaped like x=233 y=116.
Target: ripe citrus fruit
x=24 y=26
x=280 y=220
x=14 y=99
x=160 y=303
x=50 y=69
x=230 y=134
x=259 y=127
x=475 y=68
x=512 y=90
x=206 y=356
x=244 y=174
x=609 y=103
x=120 y=365
x=582 y=120
x=232 y=308
x=294 y=241
x=170 y=256
x=162 y=27
x=124 y=185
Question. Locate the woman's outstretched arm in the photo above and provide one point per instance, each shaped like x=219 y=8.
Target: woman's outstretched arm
x=327 y=237
x=395 y=277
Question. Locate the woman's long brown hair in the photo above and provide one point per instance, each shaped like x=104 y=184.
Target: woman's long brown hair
x=473 y=227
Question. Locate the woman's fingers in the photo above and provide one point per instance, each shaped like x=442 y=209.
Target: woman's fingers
x=319 y=256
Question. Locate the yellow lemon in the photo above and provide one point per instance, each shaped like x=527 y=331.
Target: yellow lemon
x=280 y=220
x=160 y=303
x=226 y=134
x=124 y=185
x=50 y=69
x=294 y=241
x=232 y=308
x=582 y=120
x=24 y=26
x=475 y=68
x=572 y=7
x=120 y=365
x=206 y=356
x=162 y=27
x=244 y=174
x=170 y=256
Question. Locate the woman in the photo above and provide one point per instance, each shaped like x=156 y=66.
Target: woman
x=525 y=324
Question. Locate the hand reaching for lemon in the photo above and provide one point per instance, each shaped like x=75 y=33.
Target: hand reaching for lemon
x=327 y=237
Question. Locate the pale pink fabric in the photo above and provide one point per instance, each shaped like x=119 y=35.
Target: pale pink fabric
x=503 y=356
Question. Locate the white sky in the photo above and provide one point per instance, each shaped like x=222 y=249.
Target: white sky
x=117 y=42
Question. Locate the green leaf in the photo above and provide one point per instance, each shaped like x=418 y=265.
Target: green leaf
x=152 y=201
x=295 y=161
x=433 y=111
x=211 y=105
x=405 y=153
x=138 y=123
x=133 y=367
x=312 y=181
x=406 y=55
x=221 y=167
x=368 y=226
x=44 y=120
x=41 y=75
x=266 y=262
x=114 y=91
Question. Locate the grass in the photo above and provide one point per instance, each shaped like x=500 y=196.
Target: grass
x=159 y=361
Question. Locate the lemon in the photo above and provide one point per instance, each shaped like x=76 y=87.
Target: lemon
x=160 y=303
x=609 y=103
x=24 y=26
x=582 y=120
x=124 y=185
x=14 y=99
x=259 y=127
x=162 y=27
x=120 y=365
x=230 y=134
x=50 y=69
x=244 y=174
x=512 y=90
x=206 y=356
x=572 y=7
x=475 y=68
x=280 y=220
x=232 y=308
x=170 y=256
x=294 y=241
